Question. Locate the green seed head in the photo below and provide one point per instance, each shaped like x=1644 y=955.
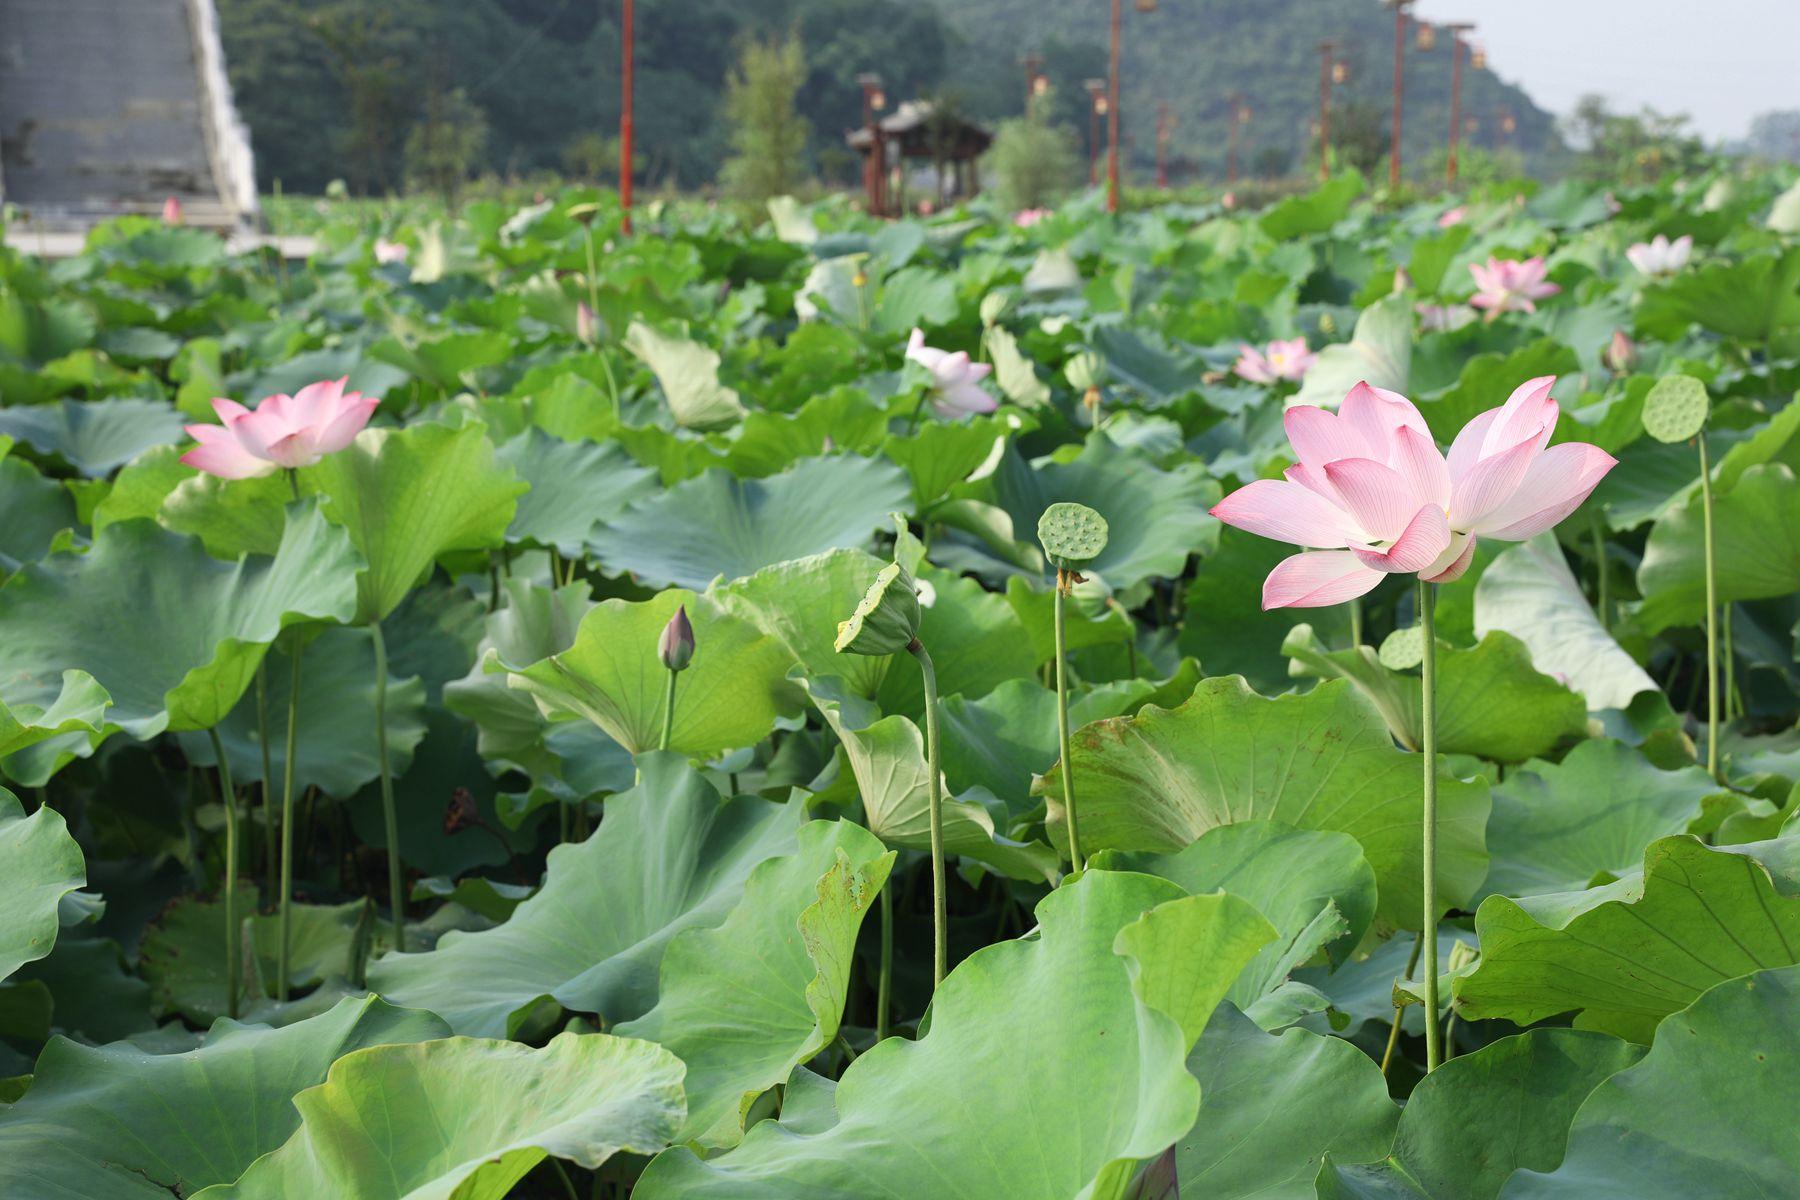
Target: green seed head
x=1676 y=408
x=1073 y=535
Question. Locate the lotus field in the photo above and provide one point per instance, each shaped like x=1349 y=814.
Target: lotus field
x=1211 y=703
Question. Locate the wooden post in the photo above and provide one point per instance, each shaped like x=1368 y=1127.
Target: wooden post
x=1400 y=7
x=1456 y=61
x=626 y=129
x=1112 y=115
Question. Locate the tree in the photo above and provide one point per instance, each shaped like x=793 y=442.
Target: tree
x=444 y=147
x=768 y=134
x=1033 y=160
x=1630 y=147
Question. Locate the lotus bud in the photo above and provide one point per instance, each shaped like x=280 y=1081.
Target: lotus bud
x=171 y=214
x=587 y=325
x=676 y=645
x=1327 y=324
x=886 y=620
x=993 y=307
x=828 y=445
x=1402 y=281
x=860 y=280
x=1620 y=354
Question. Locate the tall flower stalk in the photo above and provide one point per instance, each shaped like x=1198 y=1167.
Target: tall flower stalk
x=1374 y=495
x=390 y=818
x=1072 y=535
x=284 y=952
x=233 y=923
x=1676 y=411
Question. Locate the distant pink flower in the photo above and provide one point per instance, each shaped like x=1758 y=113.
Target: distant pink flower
x=1455 y=216
x=390 y=252
x=1289 y=360
x=1437 y=318
x=955 y=381
x=926 y=207
x=1660 y=256
x=1510 y=285
x=282 y=431
x=1026 y=218
x=172 y=211
x=1373 y=492
x=587 y=324
x=1229 y=200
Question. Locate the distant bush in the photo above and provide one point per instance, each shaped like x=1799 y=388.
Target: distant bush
x=1034 y=163
x=768 y=134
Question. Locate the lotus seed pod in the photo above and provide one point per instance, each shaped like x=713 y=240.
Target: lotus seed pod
x=676 y=645
x=993 y=307
x=1676 y=408
x=1072 y=535
x=886 y=620
x=1084 y=371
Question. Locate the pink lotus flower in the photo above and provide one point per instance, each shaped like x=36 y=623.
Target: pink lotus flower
x=1372 y=491
x=390 y=252
x=1289 y=360
x=1660 y=256
x=587 y=324
x=172 y=211
x=1455 y=216
x=955 y=381
x=1510 y=285
x=282 y=431
x=1026 y=218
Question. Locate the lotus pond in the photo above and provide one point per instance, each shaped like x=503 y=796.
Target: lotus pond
x=824 y=708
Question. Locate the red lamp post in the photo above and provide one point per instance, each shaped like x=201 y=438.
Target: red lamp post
x=874 y=165
x=627 y=35
x=1240 y=116
x=1097 y=106
x=1400 y=19
x=1035 y=82
x=1457 y=45
x=1112 y=109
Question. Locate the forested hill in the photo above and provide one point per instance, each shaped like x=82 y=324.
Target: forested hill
x=334 y=88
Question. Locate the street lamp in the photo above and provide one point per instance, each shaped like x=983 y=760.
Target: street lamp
x=874 y=168
x=1400 y=19
x=627 y=23
x=1112 y=103
x=1035 y=83
x=1457 y=44
x=1097 y=106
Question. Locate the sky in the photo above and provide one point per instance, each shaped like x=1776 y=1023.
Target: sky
x=1722 y=62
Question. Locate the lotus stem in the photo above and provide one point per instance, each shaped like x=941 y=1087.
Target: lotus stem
x=272 y=865
x=668 y=729
x=1356 y=623
x=940 y=923
x=233 y=941
x=285 y=926
x=1412 y=963
x=390 y=819
x=885 y=980
x=1712 y=617
x=1434 y=1047
x=1063 y=584
x=1734 y=703
x=1602 y=601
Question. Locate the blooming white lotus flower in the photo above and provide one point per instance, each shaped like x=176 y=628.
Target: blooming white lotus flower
x=1660 y=256
x=955 y=380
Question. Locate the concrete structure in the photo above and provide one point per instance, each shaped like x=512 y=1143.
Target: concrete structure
x=112 y=106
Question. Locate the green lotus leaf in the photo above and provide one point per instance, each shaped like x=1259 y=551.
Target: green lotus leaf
x=335 y=750
x=1314 y=887
x=1156 y=519
x=408 y=495
x=1014 y=373
x=1094 y=1076
x=1379 y=353
x=1750 y=298
x=1485 y=381
x=975 y=639
x=347 y=361
x=800 y=603
x=730 y=695
x=41 y=864
x=1641 y=1136
x=1323 y=760
x=119 y=1123
x=182 y=957
x=583 y=1097
x=1557 y=827
x=1315 y=211
x=887 y=758
x=768 y=443
x=1756 y=544
x=744 y=1003
x=231 y=516
x=939 y=455
x=1225 y=625
x=37 y=509
x=94 y=999
x=689 y=375
x=151 y=627
x=1271 y=1107
x=1530 y=593
x=717 y=524
x=1491 y=701
x=574 y=486
x=445 y=362
x=1002 y=740
x=93 y=436
x=886 y=619
x=670 y=855
x=1479 y=1117
x=1624 y=956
